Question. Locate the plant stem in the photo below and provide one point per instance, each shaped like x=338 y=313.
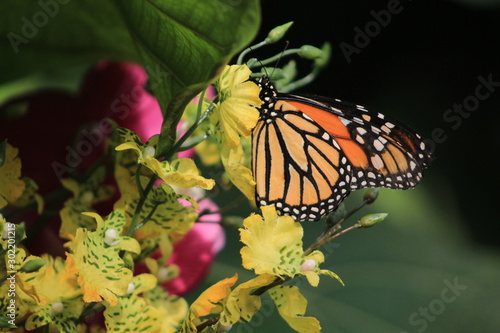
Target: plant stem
x=207 y=323
x=140 y=204
x=331 y=232
x=250 y=49
x=190 y=131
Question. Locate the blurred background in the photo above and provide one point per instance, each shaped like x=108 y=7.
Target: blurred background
x=434 y=264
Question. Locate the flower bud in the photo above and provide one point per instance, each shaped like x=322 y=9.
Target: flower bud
x=110 y=237
x=56 y=308
x=33 y=265
x=149 y=152
x=162 y=274
x=372 y=219
x=336 y=216
x=131 y=288
x=308 y=265
x=325 y=57
x=87 y=197
x=371 y=195
x=310 y=52
x=232 y=221
x=224 y=328
x=277 y=33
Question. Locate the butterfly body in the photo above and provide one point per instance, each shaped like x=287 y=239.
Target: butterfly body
x=309 y=154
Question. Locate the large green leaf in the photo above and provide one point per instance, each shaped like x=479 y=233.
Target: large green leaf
x=182 y=44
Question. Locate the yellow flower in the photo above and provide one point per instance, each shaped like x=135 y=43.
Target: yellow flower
x=291 y=305
x=172 y=309
x=168 y=219
x=233 y=118
x=181 y=172
x=274 y=246
x=210 y=302
x=236 y=110
x=132 y=310
x=60 y=287
x=11 y=187
x=233 y=159
x=241 y=304
x=95 y=257
x=85 y=195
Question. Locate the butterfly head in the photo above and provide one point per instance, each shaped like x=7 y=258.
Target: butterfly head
x=268 y=94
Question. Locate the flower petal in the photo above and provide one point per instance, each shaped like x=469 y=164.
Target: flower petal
x=194 y=255
x=105 y=276
x=273 y=244
x=11 y=187
x=292 y=307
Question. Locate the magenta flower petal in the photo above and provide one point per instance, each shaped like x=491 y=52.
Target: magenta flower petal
x=194 y=255
x=60 y=133
x=116 y=91
x=181 y=129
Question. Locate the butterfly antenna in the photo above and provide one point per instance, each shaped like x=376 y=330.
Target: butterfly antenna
x=287 y=43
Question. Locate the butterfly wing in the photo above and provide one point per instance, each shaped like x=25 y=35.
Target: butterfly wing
x=383 y=152
x=308 y=154
x=297 y=166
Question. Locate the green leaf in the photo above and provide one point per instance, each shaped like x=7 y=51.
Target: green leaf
x=4 y=323
x=183 y=45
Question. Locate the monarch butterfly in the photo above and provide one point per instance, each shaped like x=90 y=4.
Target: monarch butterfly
x=308 y=154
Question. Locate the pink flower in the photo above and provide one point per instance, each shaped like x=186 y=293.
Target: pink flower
x=195 y=253
x=60 y=133
x=53 y=121
x=181 y=129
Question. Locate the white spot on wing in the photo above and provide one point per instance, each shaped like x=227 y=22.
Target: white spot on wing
x=361 y=130
x=345 y=121
x=377 y=162
x=378 y=145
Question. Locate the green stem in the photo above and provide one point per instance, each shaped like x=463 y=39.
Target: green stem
x=301 y=82
x=146 y=219
x=278 y=281
x=330 y=233
x=248 y=50
x=138 y=180
x=274 y=59
x=140 y=204
x=190 y=131
x=208 y=322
